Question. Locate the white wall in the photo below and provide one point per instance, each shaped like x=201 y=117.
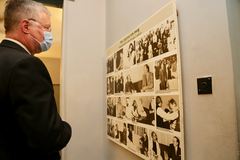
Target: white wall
x=233 y=8
x=82 y=78
x=210 y=120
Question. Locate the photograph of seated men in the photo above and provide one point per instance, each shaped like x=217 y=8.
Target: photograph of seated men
x=111 y=106
x=168 y=113
x=166 y=76
x=139 y=79
x=140 y=109
x=164 y=146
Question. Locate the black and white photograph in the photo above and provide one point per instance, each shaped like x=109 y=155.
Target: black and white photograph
x=168 y=112
x=111 y=106
x=110 y=127
x=140 y=79
x=144 y=96
x=119 y=83
x=137 y=139
x=110 y=85
x=129 y=55
x=141 y=109
x=166 y=74
x=164 y=146
x=157 y=41
x=120 y=132
x=129 y=86
x=110 y=64
x=118 y=58
x=143 y=146
x=121 y=107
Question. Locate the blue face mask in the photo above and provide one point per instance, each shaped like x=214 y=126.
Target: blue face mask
x=47 y=42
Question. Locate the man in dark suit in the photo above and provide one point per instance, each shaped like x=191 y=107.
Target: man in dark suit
x=174 y=152
x=30 y=126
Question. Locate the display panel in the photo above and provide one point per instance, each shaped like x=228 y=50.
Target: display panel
x=144 y=96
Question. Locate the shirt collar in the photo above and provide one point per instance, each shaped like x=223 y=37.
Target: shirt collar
x=17 y=42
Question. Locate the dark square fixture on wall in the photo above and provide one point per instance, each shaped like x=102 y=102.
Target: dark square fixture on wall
x=52 y=3
x=204 y=85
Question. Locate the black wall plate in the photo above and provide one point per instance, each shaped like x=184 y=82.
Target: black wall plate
x=204 y=85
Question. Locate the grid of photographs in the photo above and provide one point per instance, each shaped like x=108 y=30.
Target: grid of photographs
x=144 y=108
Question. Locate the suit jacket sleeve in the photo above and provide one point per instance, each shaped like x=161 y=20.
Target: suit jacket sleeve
x=35 y=107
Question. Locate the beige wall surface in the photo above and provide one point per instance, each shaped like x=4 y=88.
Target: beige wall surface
x=82 y=84
x=90 y=27
x=210 y=120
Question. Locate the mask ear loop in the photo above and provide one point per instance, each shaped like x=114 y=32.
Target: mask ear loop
x=33 y=38
x=31 y=35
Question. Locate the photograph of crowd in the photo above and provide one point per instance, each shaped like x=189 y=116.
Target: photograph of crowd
x=157 y=41
x=139 y=79
x=129 y=55
x=111 y=106
x=166 y=75
x=164 y=146
x=118 y=57
x=168 y=112
x=110 y=64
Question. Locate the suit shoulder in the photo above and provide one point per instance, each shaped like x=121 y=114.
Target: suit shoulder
x=13 y=56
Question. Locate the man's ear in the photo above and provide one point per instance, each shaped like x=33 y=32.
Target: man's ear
x=25 y=26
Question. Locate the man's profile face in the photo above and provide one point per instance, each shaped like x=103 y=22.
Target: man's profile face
x=175 y=143
x=127 y=101
x=158 y=101
x=37 y=29
x=173 y=106
x=174 y=59
x=173 y=125
x=128 y=78
x=154 y=136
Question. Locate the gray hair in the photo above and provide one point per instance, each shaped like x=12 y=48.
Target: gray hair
x=17 y=10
